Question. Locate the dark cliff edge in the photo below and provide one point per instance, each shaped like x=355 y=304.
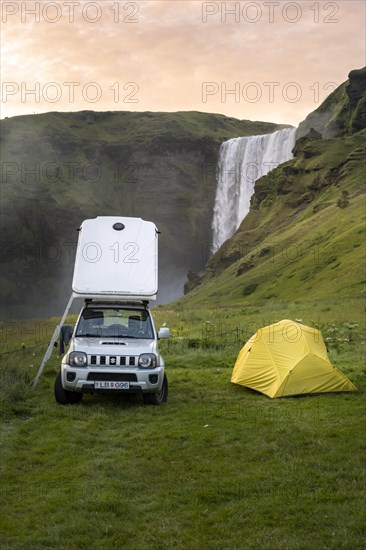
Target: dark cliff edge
x=61 y=168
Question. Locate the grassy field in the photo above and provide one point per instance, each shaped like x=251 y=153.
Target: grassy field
x=217 y=466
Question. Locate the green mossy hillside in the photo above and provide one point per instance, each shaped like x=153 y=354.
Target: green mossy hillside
x=304 y=236
x=343 y=112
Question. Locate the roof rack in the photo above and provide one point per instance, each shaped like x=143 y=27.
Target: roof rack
x=120 y=302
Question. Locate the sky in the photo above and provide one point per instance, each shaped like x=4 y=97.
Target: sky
x=273 y=61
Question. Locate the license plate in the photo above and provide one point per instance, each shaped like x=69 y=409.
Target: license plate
x=111 y=385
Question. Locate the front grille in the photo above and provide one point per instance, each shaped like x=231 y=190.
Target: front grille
x=112 y=376
x=113 y=360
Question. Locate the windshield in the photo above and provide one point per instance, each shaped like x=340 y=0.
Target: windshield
x=115 y=323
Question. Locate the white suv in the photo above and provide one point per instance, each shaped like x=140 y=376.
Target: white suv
x=113 y=348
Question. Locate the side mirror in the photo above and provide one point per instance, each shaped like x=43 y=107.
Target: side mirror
x=65 y=336
x=67 y=331
x=164 y=333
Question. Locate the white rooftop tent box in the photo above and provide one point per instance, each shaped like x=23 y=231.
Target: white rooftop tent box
x=116 y=257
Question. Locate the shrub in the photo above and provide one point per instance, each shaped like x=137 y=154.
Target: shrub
x=343 y=202
x=249 y=289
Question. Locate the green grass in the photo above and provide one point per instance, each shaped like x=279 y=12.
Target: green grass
x=217 y=466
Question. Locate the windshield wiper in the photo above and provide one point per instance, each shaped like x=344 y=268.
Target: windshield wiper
x=88 y=335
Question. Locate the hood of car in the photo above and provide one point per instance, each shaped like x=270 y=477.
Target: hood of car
x=113 y=346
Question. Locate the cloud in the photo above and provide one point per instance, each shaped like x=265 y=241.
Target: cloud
x=167 y=50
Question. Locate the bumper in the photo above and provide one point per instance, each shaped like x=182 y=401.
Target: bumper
x=99 y=379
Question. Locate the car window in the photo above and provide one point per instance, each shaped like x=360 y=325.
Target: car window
x=115 y=323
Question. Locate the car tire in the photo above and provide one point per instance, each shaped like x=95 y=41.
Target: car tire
x=159 y=397
x=64 y=397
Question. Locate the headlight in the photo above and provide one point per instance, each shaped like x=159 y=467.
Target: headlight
x=147 y=361
x=78 y=359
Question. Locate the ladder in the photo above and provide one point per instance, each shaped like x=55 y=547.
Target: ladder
x=51 y=345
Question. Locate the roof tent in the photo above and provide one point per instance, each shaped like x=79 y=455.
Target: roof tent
x=116 y=258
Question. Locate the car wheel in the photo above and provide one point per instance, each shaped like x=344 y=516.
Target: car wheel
x=64 y=397
x=159 y=397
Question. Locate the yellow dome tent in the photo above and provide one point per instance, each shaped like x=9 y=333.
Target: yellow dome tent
x=288 y=358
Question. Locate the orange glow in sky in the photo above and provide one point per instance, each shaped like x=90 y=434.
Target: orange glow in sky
x=266 y=60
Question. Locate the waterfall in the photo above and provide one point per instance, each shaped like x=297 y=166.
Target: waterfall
x=242 y=161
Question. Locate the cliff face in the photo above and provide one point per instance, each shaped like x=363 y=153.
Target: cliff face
x=305 y=229
x=61 y=168
x=343 y=112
